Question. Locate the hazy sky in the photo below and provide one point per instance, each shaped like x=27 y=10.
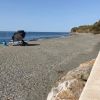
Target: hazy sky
x=47 y=15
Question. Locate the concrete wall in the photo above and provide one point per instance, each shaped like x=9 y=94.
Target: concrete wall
x=91 y=90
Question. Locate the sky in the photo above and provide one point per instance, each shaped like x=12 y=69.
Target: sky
x=47 y=15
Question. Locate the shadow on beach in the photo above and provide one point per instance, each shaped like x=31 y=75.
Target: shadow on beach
x=28 y=45
x=32 y=44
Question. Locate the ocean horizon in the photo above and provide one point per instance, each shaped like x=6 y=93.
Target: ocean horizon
x=32 y=36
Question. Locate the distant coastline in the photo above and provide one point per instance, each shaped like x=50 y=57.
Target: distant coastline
x=95 y=28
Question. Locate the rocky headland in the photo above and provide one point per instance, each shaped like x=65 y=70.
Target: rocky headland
x=95 y=28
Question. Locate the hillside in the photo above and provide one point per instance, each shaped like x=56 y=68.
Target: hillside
x=95 y=28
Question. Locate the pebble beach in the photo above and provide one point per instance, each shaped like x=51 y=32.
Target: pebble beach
x=29 y=72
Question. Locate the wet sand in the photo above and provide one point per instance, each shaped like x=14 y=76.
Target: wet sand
x=28 y=73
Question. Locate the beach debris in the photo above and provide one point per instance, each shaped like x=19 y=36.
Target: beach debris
x=4 y=43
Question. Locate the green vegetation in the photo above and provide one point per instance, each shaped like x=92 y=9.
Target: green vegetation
x=95 y=28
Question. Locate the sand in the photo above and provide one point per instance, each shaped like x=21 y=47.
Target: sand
x=29 y=72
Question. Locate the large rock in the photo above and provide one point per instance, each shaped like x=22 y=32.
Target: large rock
x=71 y=85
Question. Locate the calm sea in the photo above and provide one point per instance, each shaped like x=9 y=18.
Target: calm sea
x=7 y=36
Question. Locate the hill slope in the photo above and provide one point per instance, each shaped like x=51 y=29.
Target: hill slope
x=95 y=28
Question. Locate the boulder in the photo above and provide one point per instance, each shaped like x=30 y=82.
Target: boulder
x=71 y=85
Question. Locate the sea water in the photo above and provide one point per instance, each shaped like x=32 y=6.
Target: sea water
x=32 y=36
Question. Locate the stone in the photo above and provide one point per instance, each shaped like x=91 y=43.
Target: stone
x=71 y=85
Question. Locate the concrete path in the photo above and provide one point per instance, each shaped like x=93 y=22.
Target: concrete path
x=92 y=87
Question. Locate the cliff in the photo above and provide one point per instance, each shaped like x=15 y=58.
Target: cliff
x=95 y=28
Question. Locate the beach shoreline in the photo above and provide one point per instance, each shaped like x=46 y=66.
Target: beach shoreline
x=29 y=72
